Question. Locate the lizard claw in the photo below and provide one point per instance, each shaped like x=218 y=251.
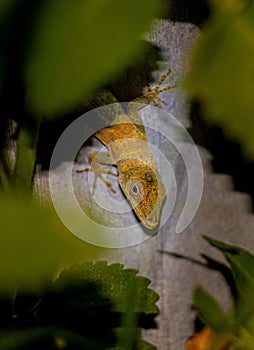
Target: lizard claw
x=98 y=174
x=153 y=93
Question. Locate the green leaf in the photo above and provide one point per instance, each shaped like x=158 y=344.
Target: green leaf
x=222 y=70
x=46 y=338
x=210 y=312
x=238 y=325
x=234 y=253
x=34 y=245
x=94 y=298
x=139 y=343
x=79 y=45
x=26 y=155
x=242 y=266
x=116 y=283
x=5 y=5
x=246 y=340
x=144 y=345
x=79 y=311
x=241 y=261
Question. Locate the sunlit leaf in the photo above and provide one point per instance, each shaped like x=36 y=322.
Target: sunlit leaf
x=222 y=70
x=81 y=44
x=34 y=245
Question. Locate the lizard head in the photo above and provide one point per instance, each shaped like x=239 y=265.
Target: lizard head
x=143 y=187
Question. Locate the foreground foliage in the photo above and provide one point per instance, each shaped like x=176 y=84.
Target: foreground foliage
x=235 y=329
x=89 y=306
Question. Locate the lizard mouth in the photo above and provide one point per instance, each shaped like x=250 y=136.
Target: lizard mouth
x=150 y=222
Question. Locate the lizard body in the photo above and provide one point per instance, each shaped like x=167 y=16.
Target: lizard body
x=129 y=151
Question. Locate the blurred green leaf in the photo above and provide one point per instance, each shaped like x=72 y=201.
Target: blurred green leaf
x=222 y=70
x=246 y=340
x=210 y=312
x=34 y=245
x=41 y=338
x=144 y=345
x=1 y=71
x=5 y=5
x=238 y=257
x=234 y=330
x=26 y=156
x=77 y=311
x=241 y=263
x=79 y=45
x=140 y=344
x=242 y=266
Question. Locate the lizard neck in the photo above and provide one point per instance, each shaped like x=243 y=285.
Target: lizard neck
x=132 y=149
x=136 y=163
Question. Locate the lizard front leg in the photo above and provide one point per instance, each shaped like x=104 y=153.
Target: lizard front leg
x=98 y=168
x=152 y=93
x=151 y=96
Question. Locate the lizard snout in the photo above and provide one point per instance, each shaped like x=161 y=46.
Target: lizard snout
x=151 y=221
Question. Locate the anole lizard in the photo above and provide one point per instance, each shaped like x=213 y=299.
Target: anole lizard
x=129 y=151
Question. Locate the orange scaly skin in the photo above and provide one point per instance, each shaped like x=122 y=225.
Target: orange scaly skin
x=129 y=150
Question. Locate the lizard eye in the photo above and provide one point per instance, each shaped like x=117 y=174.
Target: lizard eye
x=135 y=189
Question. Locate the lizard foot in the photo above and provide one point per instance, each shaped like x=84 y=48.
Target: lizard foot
x=98 y=174
x=152 y=93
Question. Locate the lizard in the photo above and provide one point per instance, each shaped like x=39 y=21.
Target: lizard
x=129 y=150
